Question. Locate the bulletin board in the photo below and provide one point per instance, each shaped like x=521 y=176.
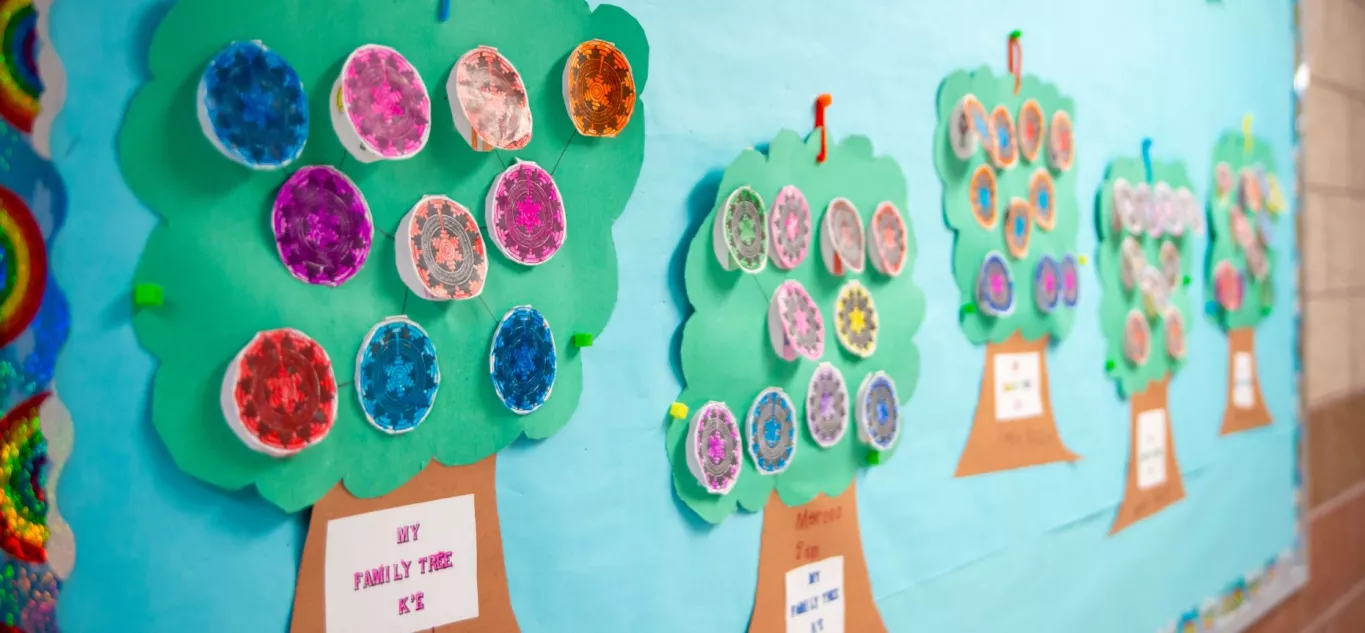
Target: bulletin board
x=596 y=532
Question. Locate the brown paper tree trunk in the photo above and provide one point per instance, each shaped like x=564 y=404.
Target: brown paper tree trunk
x=1241 y=418
x=793 y=537
x=434 y=482
x=994 y=444
x=1139 y=504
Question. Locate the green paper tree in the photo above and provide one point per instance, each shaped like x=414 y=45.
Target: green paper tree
x=215 y=257
x=727 y=357
x=1142 y=361
x=1248 y=166
x=1013 y=426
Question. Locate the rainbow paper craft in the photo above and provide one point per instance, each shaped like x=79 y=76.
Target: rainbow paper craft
x=23 y=499
x=20 y=84
x=23 y=266
x=380 y=106
x=252 y=106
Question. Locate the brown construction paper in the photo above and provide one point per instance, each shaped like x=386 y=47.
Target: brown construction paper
x=994 y=445
x=1237 y=419
x=434 y=482
x=1139 y=504
x=792 y=537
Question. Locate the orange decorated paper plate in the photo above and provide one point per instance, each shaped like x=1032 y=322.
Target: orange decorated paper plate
x=599 y=89
x=488 y=101
x=889 y=239
x=1018 y=228
x=1175 y=334
x=1228 y=286
x=1042 y=199
x=1031 y=128
x=1137 y=338
x=983 y=196
x=1004 y=146
x=1061 y=149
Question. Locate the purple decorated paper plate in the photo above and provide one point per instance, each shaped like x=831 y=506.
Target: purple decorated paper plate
x=1018 y=228
x=714 y=448
x=380 y=107
x=1042 y=199
x=842 y=243
x=789 y=228
x=1004 y=146
x=771 y=426
x=827 y=406
x=795 y=326
x=440 y=252
x=1032 y=126
x=1047 y=284
x=889 y=238
x=488 y=101
x=525 y=214
x=322 y=226
x=995 y=286
x=983 y=197
x=1071 y=281
x=1137 y=338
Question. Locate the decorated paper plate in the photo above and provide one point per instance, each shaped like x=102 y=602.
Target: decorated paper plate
x=1190 y=209
x=740 y=233
x=1178 y=213
x=1047 y=284
x=522 y=362
x=1159 y=211
x=983 y=196
x=1228 y=286
x=789 y=228
x=1042 y=199
x=1137 y=339
x=24 y=502
x=968 y=126
x=1243 y=234
x=322 y=225
x=1146 y=213
x=440 y=252
x=795 y=326
x=827 y=405
x=1174 y=325
x=713 y=448
x=279 y=393
x=856 y=317
x=1061 y=150
x=772 y=431
x=1031 y=129
x=1071 y=281
x=878 y=413
x=841 y=238
x=599 y=89
x=995 y=286
x=23 y=266
x=380 y=107
x=1018 y=228
x=889 y=238
x=1249 y=191
x=396 y=375
x=488 y=101
x=252 y=106
x=1265 y=229
x=1131 y=262
x=1170 y=264
x=1223 y=180
x=1124 y=210
x=1004 y=148
x=1156 y=295
x=1258 y=262
x=1274 y=195
x=525 y=214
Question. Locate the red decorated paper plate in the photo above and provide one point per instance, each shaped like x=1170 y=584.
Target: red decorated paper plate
x=279 y=393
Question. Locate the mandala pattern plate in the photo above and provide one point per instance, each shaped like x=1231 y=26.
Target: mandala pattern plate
x=1258 y=261
x=599 y=89
x=525 y=214
x=889 y=238
x=1004 y=149
x=1155 y=293
x=772 y=431
x=1250 y=192
x=1143 y=211
x=1018 y=228
x=23 y=266
x=1127 y=215
x=1159 y=211
x=23 y=496
x=842 y=243
x=522 y=362
x=1243 y=234
x=1169 y=258
x=1174 y=325
x=962 y=131
x=1223 y=179
x=856 y=316
x=253 y=107
x=995 y=286
x=1137 y=337
x=878 y=414
x=380 y=106
x=1042 y=200
x=280 y=393
x=323 y=229
x=1191 y=212
x=795 y=326
x=396 y=375
x=1071 y=282
x=1131 y=262
x=1228 y=286
x=1031 y=129
x=488 y=101
x=1047 y=284
x=789 y=228
x=740 y=232
x=984 y=197
x=827 y=406
x=1061 y=150
x=440 y=252
x=713 y=448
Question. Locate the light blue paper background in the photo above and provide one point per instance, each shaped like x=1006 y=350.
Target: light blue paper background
x=594 y=538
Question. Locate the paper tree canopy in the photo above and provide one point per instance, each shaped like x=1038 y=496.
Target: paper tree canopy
x=1245 y=199
x=731 y=354
x=224 y=279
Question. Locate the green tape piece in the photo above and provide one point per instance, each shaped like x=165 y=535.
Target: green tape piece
x=582 y=339
x=969 y=308
x=874 y=458
x=148 y=295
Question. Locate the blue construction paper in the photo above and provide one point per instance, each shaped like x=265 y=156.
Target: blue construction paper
x=592 y=507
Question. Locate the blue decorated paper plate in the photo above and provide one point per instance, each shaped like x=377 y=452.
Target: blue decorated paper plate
x=253 y=107
x=396 y=375
x=879 y=417
x=522 y=362
x=771 y=428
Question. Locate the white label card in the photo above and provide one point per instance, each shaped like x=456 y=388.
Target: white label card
x=1243 y=369
x=1151 y=448
x=404 y=569
x=1018 y=386
x=815 y=597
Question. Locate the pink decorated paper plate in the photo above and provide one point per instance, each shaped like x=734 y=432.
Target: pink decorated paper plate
x=380 y=106
x=795 y=326
x=525 y=214
x=714 y=448
x=488 y=101
x=889 y=239
x=440 y=253
x=1061 y=148
x=1228 y=286
x=842 y=242
x=789 y=228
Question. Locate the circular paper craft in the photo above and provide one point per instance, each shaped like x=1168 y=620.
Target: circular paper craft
x=995 y=286
x=962 y=131
x=23 y=496
x=1071 y=282
x=1265 y=229
x=488 y=101
x=1142 y=202
x=1156 y=295
x=1131 y=261
x=879 y=417
x=441 y=255
x=1159 y=211
x=1223 y=179
x=1061 y=151
x=1174 y=325
x=827 y=406
x=522 y=361
x=983 y=196
x=1125 y=211
x=795 y=326
x=1242 y=232
x=772 y=431
x=740 y=236
x=1004 y=148
x=1228 y=286
x=20 y=83
x=1170 y=264
x=525 y=214
x=789 y=228
x=1190 y=209
x=1274 y=196
x=1249 y=194
x=1046 y=284
x=713 y=452
x=890 y=240
x=856 y=316
x=1042 y=201
x=1258 y=262
x=1018 y=228
x=279 y=393
x=841 y=238
x=1177 y=213
x=1137 y=338
x=23 y=266
x=1031 y=129
x=396 y=375
x=252 y=106
x=599 y=89
x=322 y=225
x=381 y=107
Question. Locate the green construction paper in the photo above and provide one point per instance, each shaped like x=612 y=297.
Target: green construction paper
x=1231 y=148
x=1116 y=303
x=726 y=353
x=214 y=252
x=971 y=243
